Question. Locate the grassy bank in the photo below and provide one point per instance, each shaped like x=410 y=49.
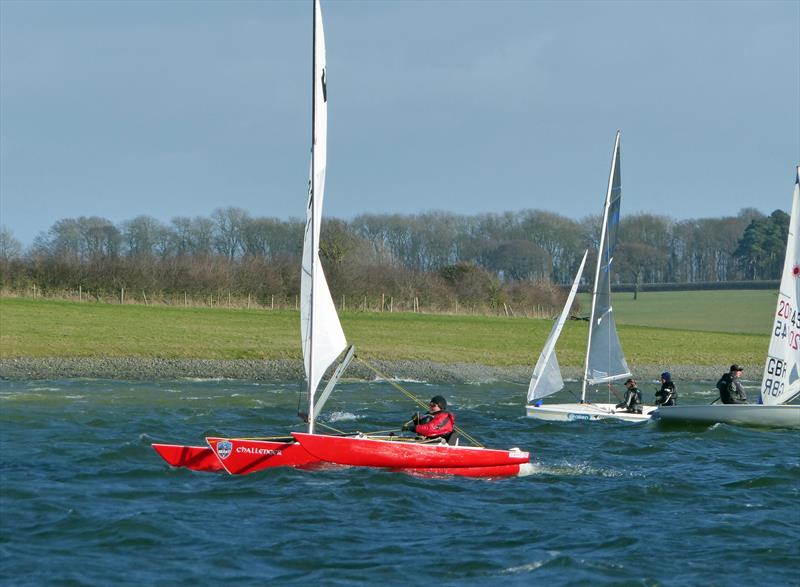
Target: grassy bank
x=749 y=311
x=43 y=328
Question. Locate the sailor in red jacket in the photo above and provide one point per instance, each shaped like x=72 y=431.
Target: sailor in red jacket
x=435 y=423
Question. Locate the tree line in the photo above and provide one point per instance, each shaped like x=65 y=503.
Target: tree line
x=494 y=259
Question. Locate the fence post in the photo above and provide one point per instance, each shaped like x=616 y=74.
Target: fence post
x=122 y=295
x=229 y=298
x=391 y=304
x=80 y=293
x=185 y=300
x=383 y=301
x=248 y=301
x=144 y=295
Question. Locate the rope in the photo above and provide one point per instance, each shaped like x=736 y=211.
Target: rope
x=415 y=399
x=330 y=428
x=272 y=438
x=612 y=390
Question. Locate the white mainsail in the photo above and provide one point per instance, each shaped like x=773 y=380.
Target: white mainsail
x=781 y=380
x=322 y=335
x=604 y=359
x=546 y=378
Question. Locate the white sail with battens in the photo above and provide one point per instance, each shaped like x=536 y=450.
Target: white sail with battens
x=605 y=361
x=322 y=335
x=781 y=380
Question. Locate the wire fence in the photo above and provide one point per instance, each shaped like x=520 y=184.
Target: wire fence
x=270 y=302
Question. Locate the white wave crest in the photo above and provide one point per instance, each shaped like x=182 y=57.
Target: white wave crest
x=342 y=417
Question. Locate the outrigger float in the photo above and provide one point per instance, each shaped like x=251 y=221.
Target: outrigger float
x=323 y=343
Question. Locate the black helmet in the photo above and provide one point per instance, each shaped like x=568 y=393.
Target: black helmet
x=439 y=401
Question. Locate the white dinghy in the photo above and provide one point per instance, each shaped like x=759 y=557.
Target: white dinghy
x=781 y=380
x=605 y=361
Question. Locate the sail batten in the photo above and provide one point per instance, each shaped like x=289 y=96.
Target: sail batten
x=781 y=381
x=322 y=336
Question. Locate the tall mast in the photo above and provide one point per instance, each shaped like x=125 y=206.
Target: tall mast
x=600 y=257
x=312 y=204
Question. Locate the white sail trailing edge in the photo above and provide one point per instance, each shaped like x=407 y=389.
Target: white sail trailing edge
x=323 y=339
x=781 y=380
x=546 y=378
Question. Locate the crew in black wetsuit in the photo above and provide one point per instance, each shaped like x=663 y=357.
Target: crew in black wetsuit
x=632 y=403
x=730 y=388
x=666 y=396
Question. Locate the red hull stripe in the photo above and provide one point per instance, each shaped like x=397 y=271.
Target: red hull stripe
x=396 y=454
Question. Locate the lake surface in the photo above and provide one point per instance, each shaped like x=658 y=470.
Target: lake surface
x=86 y=501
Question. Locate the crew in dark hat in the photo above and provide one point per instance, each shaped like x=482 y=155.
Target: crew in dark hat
x=632 y=403
x=730 y=387
x=439 y=401
x=435 y=423
x=666 y=396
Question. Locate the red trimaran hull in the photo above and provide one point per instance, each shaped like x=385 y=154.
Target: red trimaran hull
x=243 y=456
x=398 y=453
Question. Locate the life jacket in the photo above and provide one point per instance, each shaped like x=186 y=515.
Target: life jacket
x=437 y=424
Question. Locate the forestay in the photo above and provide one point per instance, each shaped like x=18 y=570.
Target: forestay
x=322 y=335
x=604 y=359
x=781 y=380
x=546 y=378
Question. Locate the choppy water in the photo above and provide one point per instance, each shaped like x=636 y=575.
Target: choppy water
x=85 y=500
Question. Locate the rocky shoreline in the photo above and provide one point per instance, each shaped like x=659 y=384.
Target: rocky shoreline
x=24 y=369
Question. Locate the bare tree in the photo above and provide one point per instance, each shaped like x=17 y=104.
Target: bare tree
x=10 y=247
x=229 y=233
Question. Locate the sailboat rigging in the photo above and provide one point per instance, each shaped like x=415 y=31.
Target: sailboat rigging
x=604 y=360
x=322 y=335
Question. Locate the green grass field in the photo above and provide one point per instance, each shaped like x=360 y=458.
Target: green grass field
x=748 y=311
x=45 y=328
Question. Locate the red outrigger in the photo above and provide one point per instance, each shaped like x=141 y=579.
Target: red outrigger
x=237 y=456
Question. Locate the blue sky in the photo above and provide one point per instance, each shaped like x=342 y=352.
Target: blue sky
x=176 y=108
